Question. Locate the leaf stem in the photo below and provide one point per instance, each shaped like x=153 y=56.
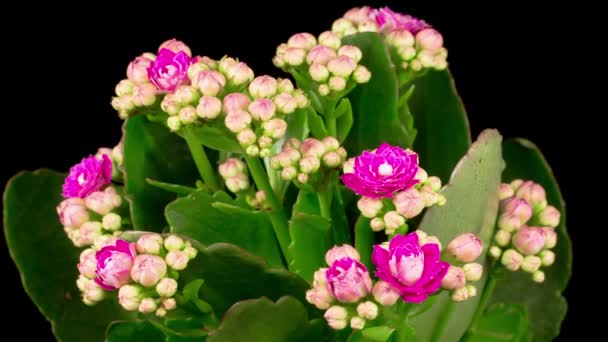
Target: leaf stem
x=201 y=160
x=330 y=118
x=325 y=203
x=443 y=321
x=485 y=297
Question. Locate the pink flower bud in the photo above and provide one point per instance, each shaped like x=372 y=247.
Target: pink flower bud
x=516 y=183
x=284 y=85
x=533 y=193
x=190 y=251
x=393 y=220
x=429 y=39
x=93 y=292
x=275 y=128
x=186 y=95
x=472 y=271
x=400 y=37
x=289 y=173
x=263 y=87
x=175 y=46
x=285 y=103
x=511 y=259
x=187 y=114
x=358 y=15
x=421 y=175
x=369 y=207
x=385 y=294
x=332 y=159
x=337 y=83
x=549 y=217
x=196 y=68
x=357 y=323
x=302 y=40
x=343 y=26
x=505 y=191
x=547 y=258
x=339 y=252
x=231 y=167
x=111 y=221
x=88 y=263
x=81 y=282
x=362 y=74
x=210 y=83
x=529 y=240
x=144 y=95
x=465 y=247
x=460 y=295
x=349 y=166
x=150 y=243
x=124 y=87
x=509 y=223
x=237 y=183
x=237 y=120
x=246 y=137
x=169 y=304
x=538 y=276
x=320 y=54
x=368 y=26
x=377 y=224
x=239 y=73
x=177 y=260
x=319 y=296
x=367 y=310
x=408 y=203
x=209 y=107
x=454 y=278
x=235 y=101
x=318 y=72
x=309 y=164
x=517 y=207
x=342 y=66
x=114 y=263
x=550 y=237
x=174 y=123
x=137 y=71
x=174 y=242
x=331 y=143
x=531 y=263
x=330 y=39
x=434 y=183
x=351 y=51
x=148 y=269
x=170 y=105
x=262 y=109
x=160 y=312
x=72 y=212
x=472 y=290
x=265 y=142
x=302 y=178
x=166 y=287
x=89 y=231
x=301 y=98
x=225 y=63
x=336 y=317
x=252 y=150
x=502 y=237
x=495 y=252
x=431 y=239
x=294 y=56
x=129 y=297
x=147 y=305
x=278 y=61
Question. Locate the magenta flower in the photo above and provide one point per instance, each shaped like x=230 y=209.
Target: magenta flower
x=389 y=20
x=348 y=280
x=381 y=173
x=114 y=263
x=169 y=70
x=88 y=176
x=414 y=270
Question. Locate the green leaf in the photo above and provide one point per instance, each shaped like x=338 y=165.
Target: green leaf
x=501 y=323
x=151 y=151
x=261 y=320
x=544 y=303
x=344 y=121
x=47 y=259
x=374 y=104
x=174 y=188
x=297 y=125
x=443 y=128
x=364 y=241
x=472 y=206
x=377 y=334
x=138 y=331
x=216 y=138
x=201 y=217
x=191 y=291
x=316 y=124
x=310 y=240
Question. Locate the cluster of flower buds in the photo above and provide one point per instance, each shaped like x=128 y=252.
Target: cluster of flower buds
x=301 y=161
x=89 y=211
x=332 y=67
x=464 y=249
x=347 y=282
x=414 y=45
x=526 y=229
x=257 y=200
x=145 y=272
x=234 y=172
x=393 y=187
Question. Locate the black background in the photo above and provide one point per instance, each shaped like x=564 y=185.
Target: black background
x=512 y=66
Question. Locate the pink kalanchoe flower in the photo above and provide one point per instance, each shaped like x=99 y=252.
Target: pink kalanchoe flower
x=381 y=173
x=416 y=271
x=169 y=70
x=389 y=20
x=114 y=263
x=88 y=176
x=348 y=280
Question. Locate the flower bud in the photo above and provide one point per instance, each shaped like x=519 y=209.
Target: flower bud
x=210 y=82
x=343 y=26
x=337 y=83
x=454 y=278
x=332 y=159
x=166 y=287
x=302 y=178
x=549 y=216
x=319 y=296
x=547 y=258
x=225 y=63
x=89 y=231
x=129 y=297
x=318 y=72
x=357 y=323
x=495 y=252
x=529 y=240
x=465 y=247
x=429 y=39
x=431 y=239
x=400 y=37
x=362 y=74
x=407 y=53
x=342 y=66
x=429 y=197
x=263 y=87
x=301 y=98
x=531 y=263
x=209 y=107
x=313 y=147
x=294 y=56
x=262 y=109
x=102 y=202
x=336 y=317
x=124 y=87
x=231 y=167
x=169 y=304
x=516 y=183
x=174 y=242
x=235 y=101
x=289 y=173
x=367 y=310
x=393 y=220
x=148 y=269
x=368 y=26
x=323 y=89
x=191 y=252
x=93 y=292
x=302 y=40
x=512 y=259
x=147 y=305
x=170 y=105
x=349 y=166
x=186 y=95
x=538 y=276
x=111 y=221
x=320 y=54
x=550 y=237
x=285 y=103
x=533 y=193
x=472 y=271
x=330 y=39
x=88 y=263
x=82 y=281
x=472 y=290
x=72 y=212
x=150 y=243
x=237 y=183
x=275 y=128
x=175 y=46
x=137 y=71
x=339 y=252
x=160 y=312
x=369 y=207
x=509 y=223
x=239 y=73
x=351 y=51
x=408 y=203
x=237 y=120
x=177 y=260
x=502 y=237
x=385 y=294
x=196 y=68
x=505 y=191
x=144 y=94
x=187 y=114
x=246 y=137
x=517 y=207
x=460 y=295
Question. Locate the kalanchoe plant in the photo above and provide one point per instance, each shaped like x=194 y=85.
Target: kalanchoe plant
x=231 y=211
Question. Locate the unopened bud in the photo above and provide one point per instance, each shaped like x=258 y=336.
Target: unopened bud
x=538 y=276
x=400 y=37
x=336 y=317
x=460 y=295
x=177 y=260
x=186 y=95
x=166 y=287
x=262 y=109
x=150 y=243
x=529 y=240
x=550 y=237
x=209 y=107
x=323 y=89
x=111 y=221
x=369 y=207
x=342 y=66
x=349 y=166
x=465 y=247
x=454 y=278
x=302 y=178
x=169 y=304
x=318 y=72
x=337 y=83
x=147 y=305
x=367 y=310
x=174 y=123
x=429 y=39
x=340 y=252
x=511 y=259
x=235 y=101
x=263 y=87
x=294 y=56
x=547 y=258
x=549 y=216
x=385 y=294
x=351 y=51
x=275 y=128
x=409 y=203
x=187 y=114
x=302 y=40
x=473 y=271
x=330 y=39
x=320 y=54
x=505 y=191
x=239 y=73
x=357 y=323
x=237 y=120
x=210 y=83
x=533 y=193
x=531 y=263
x=393 y=220
x=237 y=183
x=174 y=242
x=332 y=159
x=246 y=137
x=231 y=167
x=502 y=237
x=264 y=142
x=286 y=103
x=472 y=290
x=495 y=252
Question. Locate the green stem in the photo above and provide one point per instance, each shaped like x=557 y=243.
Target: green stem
x=443 y=321
x=330 y=118
x=202 y=162
x=277 y=214
x=325 y=203
x=483 y=302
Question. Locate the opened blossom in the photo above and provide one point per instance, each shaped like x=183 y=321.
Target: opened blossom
x=383 y=172
x=114 y=263
x=348 y=280
x=169 y=70
x=88 y=176
x=415 y=271
x=389 y=20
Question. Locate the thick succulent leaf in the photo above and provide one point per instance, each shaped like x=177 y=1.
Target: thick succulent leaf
x=135 y=331
x=310 y=239
x=501 y=323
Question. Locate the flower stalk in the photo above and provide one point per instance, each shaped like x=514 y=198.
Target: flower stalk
x=201 y=160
